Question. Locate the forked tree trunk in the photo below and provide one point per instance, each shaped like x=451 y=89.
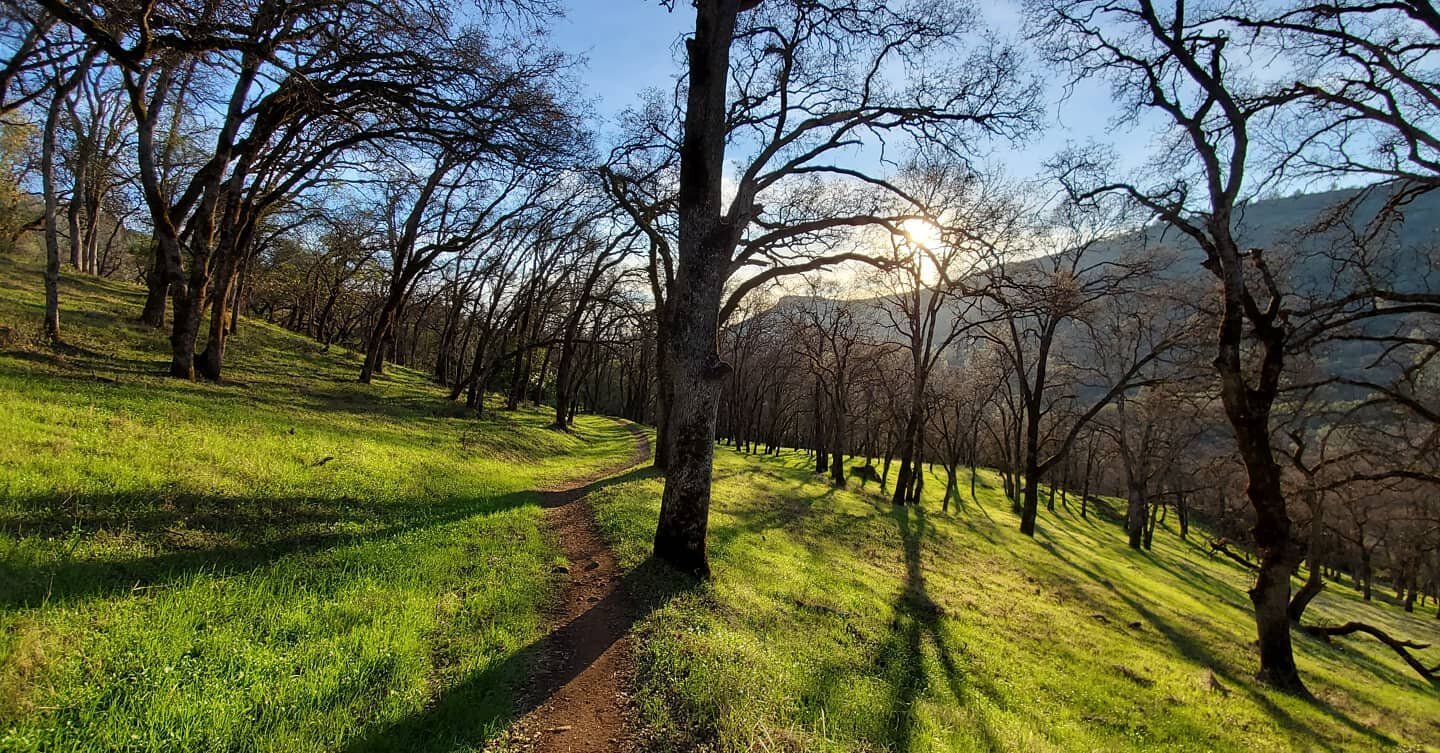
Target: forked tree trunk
x=385 y=322
x=1248 y=403
x=186 y=328
x=903 y=478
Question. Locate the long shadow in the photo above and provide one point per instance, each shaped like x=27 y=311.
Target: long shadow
x=484 y=703
x=566 y=496
x=27 y=584
x=185 y=529
x=1237 y=599
x=917 y=620
x=1194 y=649
x=352 y=400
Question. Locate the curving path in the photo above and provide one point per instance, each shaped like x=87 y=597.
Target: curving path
x=577 y=701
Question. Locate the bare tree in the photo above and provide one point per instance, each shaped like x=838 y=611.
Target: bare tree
x=1036 y=298
x=810 y=81
x=1166 y=59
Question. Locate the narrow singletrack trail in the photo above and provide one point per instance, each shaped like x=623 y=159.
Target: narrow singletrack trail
x=578 y=699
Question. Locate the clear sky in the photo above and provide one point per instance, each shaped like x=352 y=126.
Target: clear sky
x=632 y=45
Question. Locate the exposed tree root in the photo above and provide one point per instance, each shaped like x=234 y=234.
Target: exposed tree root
x=1401 y=647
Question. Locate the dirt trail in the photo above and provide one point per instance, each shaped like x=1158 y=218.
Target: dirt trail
x=577 y=701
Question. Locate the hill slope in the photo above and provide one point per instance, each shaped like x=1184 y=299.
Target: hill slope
x=1278 y=225
x=288 y=561
x=838 y=622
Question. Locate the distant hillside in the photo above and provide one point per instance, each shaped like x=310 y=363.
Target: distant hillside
x=1284 y=228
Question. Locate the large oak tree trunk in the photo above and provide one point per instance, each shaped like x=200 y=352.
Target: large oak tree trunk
x=706 y=244
x=189 y=308
x=696 y=371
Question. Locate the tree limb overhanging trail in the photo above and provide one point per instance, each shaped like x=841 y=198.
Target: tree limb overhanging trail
x=578 y=699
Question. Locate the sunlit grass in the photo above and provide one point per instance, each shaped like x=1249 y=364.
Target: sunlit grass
x=837 y=622
x=288 y=561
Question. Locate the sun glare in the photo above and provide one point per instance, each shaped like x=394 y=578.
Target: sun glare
x=922 y=233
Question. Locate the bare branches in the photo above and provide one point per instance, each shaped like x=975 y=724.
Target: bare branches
x=1399 y=646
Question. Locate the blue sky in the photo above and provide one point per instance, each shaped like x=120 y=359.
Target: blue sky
x=631 y=45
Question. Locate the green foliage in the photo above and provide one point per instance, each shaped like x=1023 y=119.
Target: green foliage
x=287 y=561
x=838 y=622
x=17 y=208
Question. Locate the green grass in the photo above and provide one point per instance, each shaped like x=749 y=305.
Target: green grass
x=837 y=622
x=288 y=561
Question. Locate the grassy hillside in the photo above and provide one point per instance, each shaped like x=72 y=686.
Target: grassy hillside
x=288 y=561
x=837 y=622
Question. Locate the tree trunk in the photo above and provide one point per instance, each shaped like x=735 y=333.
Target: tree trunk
x=1271 y=597
x=663 y=395
x=696 y=372
x=1248 y=406
x=1031 y=506
x=186 y=329
x=384 y=323
x=1135 y=514
x=72 y=214
x=707 y=242
x=211 y=359
x=822 y=460
x=52 y=208
x=903 y=480
x=1367 y=573
x=1315 y=581
x=157 y=291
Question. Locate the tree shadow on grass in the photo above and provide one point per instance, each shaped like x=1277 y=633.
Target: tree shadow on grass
x=187 y=547
x=564 y=497
x=917 y=621
x=1194 y=648
x=480 y=706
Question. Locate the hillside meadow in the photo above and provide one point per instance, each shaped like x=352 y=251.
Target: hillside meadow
x=285 y=561
x=837 y=621
x=291 y=561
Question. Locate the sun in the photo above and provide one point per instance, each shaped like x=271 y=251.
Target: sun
x=922 y=233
